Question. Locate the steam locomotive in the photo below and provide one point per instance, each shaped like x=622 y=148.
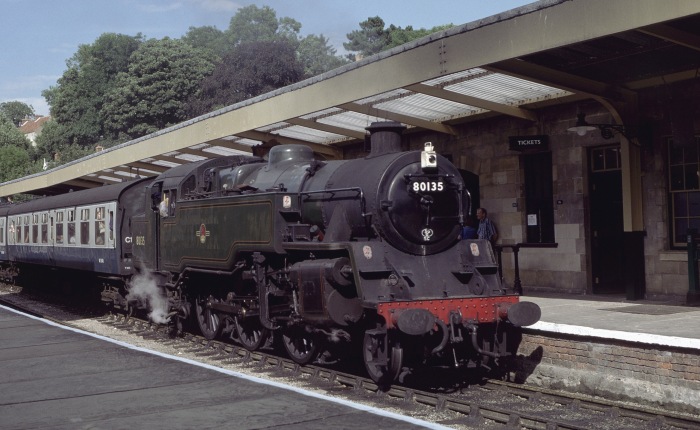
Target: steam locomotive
x=361 y=254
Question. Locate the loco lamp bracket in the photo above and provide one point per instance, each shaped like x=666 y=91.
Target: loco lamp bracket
x=428 y=157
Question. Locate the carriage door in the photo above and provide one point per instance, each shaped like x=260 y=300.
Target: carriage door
x=150 y=238
x=605 y=188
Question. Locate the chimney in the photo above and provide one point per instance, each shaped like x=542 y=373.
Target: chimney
x=385 y=137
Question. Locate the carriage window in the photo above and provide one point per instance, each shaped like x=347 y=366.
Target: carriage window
x=100 y=230
x=85 y=226
x=25 y=228
x=11 y=235
x=44 y=233
x=35 y=232
x=71 y=226
x=35 y=228
x=111 y=225
x=2 y=231
x=59 y=227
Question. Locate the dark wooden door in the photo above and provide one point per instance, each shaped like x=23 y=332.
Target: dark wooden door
x=606 y=232
x=539 y=205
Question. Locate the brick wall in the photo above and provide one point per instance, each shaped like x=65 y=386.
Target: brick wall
x=648 y=374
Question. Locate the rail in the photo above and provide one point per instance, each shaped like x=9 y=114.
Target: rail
x=517 y=284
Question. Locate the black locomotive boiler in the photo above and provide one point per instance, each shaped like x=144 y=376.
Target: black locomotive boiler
x=330 y=251
x=359 y=255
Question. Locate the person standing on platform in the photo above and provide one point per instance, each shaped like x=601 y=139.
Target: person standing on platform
x=487 y=230
x=468 y=229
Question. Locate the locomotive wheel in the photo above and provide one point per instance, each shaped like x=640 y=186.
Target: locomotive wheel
x=382 y=374
x=209 y=322
x=301 y=345
x=251 y=334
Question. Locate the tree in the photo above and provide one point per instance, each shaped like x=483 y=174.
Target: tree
x=248 y=70
x=11 y=136
x=207 y=38
x=398 y=36
x=52 y=146
x=76 y=102
x=253 y=24
x=151 y=95
x=16 y=111
x=51 y=140
x=373 y=38
x=317 y=56
x=370 y=39
x=14 y=163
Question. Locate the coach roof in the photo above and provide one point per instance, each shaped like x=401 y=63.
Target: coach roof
x=103 y=194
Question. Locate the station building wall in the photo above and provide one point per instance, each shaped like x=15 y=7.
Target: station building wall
x=484 y=150
x=481 y=147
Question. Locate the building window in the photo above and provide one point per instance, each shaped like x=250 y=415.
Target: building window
x=684 y=188
x=539 y=205
x=606 y=159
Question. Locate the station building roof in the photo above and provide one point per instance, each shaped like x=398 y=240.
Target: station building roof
x=514 y=63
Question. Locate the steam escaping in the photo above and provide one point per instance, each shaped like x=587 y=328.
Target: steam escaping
x=143 y=288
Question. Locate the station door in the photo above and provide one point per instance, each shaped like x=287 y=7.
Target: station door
x=607 y=228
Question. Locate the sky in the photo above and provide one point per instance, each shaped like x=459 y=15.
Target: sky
x=38 y=36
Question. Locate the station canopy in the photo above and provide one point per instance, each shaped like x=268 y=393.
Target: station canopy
x=515 y=63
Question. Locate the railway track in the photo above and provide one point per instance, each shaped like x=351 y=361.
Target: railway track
x=493 y=404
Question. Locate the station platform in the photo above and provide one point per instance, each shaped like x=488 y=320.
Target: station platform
x=613 y=317
x=643 y=352
x=60 y=378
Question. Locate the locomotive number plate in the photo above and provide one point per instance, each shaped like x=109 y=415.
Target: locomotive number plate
x=427 y=186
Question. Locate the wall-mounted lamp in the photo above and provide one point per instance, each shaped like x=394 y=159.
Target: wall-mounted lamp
x=607 y=131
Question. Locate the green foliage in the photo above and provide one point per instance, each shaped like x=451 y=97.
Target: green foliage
x=151 y=95
x=253 y=24
x=76 y=102
x=207 y=38
x=317 y=56
x=15 y=111
x=14 y=163
x=11 y=136
x=54 y=148
x=398 y=36
x=53 y=137
x=370 y=39
x=248 y=70
x=121 y=87
x=373 y=38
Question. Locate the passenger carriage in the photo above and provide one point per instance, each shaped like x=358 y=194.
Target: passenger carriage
x=86 y=231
